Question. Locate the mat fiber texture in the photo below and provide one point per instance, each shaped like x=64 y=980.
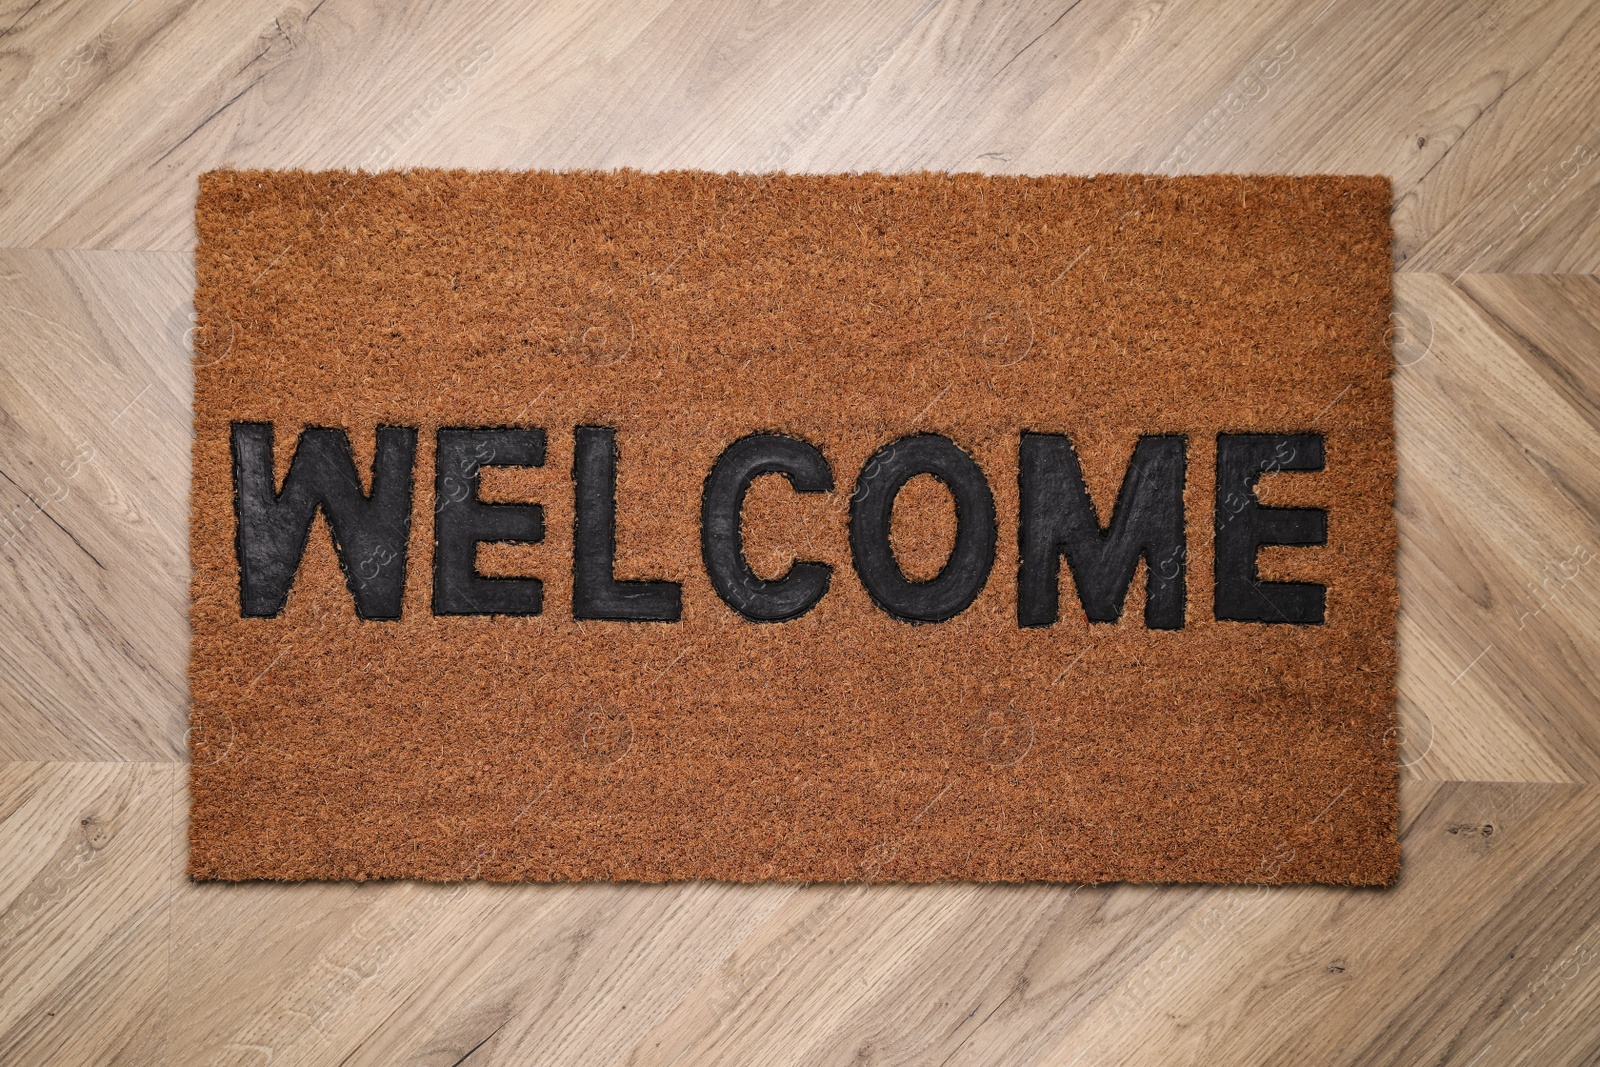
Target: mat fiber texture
x=854 y=740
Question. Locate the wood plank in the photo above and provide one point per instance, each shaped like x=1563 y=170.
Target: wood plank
x=1484 y=949
x=1479 y=956
x=1482 y=113
x=92 y=869
x=94 y=438
x=1499 y=508
x=1520 y=194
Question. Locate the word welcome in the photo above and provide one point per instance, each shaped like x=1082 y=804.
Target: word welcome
x=1057 y=521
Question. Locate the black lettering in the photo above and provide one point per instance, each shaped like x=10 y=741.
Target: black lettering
x=369 y=533
x=1058 y=518
x=964 y=574
x=596 y=593
x=721 y=540
x=1244 y=525
x=462 y=521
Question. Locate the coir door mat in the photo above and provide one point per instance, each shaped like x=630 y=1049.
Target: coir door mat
x=842 y=527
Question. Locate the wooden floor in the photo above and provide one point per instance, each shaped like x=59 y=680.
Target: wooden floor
x=1486 y=114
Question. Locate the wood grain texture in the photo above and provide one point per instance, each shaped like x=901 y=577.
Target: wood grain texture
x=1486 y=953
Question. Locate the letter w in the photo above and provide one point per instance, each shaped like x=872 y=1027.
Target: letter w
x=369 y=532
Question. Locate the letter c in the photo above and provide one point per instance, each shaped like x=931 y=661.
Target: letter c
x=721 y=536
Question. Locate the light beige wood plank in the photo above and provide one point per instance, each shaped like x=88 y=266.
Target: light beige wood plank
x=1482 y=955
x=91 y=871
x=915 y=974
x=1520 y=194
x=1096 y=976
x=94 y=432
x=1486 y=948
x=1499 y=515
x=89 y=80
x=379 y=85
x=1554 y=323
x=560 y=975
x=1482 y=113
x=1323 y=87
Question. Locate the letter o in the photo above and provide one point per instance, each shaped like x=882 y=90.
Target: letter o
x=966 y=572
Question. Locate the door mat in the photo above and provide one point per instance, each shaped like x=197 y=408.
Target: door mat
x=623 y=526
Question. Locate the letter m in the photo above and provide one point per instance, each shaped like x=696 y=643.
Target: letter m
x=1058 y=518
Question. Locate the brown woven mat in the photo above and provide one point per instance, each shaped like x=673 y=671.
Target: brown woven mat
x=963 y=412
